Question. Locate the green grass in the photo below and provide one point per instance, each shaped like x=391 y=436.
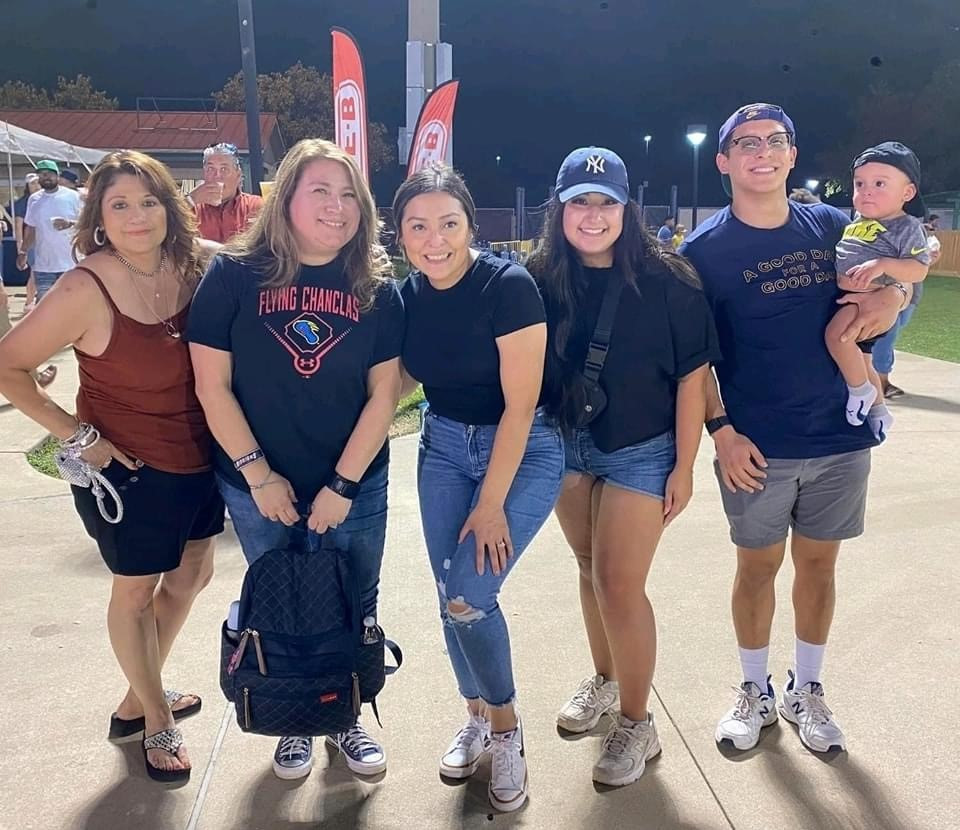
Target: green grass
x=934 y=329
x=406 y=420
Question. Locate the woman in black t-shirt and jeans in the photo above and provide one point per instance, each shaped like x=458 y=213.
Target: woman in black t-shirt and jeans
x=490 y=466
x=630 y=472
x=295 y=334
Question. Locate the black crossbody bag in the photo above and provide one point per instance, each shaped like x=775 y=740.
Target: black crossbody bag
x=587 y=398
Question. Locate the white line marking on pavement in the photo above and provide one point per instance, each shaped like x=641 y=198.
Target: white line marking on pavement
x=208 y=772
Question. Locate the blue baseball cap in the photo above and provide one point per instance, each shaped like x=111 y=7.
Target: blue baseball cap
x=755 y=112
x=593 y=170
x=745 y=114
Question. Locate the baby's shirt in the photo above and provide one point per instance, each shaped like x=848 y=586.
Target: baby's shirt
x=903 y=237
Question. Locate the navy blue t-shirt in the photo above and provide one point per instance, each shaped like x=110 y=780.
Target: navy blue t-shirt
x=772 y=292
x=301 y=355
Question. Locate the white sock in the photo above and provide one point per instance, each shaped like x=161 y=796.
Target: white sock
x=754 y=664
x=859 y=401
x=809 y=662
x=880 y=419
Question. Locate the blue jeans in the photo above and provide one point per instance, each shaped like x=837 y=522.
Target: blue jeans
x=452 y=464
x=362 y=533
x=45 y=281
x=883 y=348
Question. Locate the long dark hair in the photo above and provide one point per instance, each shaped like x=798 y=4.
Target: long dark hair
x=558 y=271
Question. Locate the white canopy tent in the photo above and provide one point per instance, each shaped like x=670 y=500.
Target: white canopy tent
x=20 y=144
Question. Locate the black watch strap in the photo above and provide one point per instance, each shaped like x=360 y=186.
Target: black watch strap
x=716 y=423
x=343 y=486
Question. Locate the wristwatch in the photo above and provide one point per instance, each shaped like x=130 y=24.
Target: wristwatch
x=343 y=486
x=716 y=423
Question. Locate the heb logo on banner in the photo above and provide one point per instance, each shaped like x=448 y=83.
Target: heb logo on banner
x=431 y=145
x=350 y=122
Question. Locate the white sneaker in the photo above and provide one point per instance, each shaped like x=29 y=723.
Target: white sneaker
x=466 y=749
x=293 y=758
x=594 y=697
x=752 y=711
x=508 y=775
x=364 y=755
x=625 y=752
x=807 y=708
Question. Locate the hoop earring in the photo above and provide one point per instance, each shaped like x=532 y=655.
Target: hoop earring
x=100 y=241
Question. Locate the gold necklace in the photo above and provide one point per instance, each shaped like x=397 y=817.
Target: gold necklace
x=167 y=323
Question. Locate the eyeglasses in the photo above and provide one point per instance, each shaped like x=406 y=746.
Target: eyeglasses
x=751 y=144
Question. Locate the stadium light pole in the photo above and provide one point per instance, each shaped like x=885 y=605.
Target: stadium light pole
x=248 y=57
x=646 y=144
x=696 y=133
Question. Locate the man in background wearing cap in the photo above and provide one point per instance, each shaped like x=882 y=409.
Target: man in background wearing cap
x=51 y=212
x=784 y=447
x=886 y=244
x=222 y=209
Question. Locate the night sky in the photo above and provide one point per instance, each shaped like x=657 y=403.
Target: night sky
x=538 y=77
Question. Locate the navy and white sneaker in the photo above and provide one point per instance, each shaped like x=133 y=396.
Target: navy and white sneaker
x=293 y=758
x=753 y=710
x=364 y=755
x=807 y=708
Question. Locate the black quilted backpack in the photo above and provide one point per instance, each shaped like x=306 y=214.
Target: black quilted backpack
x=301 y=660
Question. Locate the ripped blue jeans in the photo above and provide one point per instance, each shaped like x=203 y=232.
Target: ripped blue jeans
x=452 y=464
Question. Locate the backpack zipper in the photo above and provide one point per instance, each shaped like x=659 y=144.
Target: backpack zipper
x=261 y=662
x=237 y=655
x=246 y=708
x=356 y=693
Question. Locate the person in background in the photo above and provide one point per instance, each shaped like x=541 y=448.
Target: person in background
x=31 y=185
x=665 y=234
x=223 y=209
x=680 y=233
x=51 y=214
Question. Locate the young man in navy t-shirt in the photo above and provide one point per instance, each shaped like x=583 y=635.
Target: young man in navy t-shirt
x=786 y=456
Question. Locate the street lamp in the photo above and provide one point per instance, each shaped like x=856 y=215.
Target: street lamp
x=813 y=184
x=696 y=134
x=646 y=142
x=498 y=162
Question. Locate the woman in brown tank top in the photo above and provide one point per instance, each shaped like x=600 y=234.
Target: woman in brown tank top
x=123 y=311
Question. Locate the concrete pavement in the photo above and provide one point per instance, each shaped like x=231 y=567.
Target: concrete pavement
x=891 y=668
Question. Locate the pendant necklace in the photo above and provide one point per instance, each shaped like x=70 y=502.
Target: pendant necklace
x=167 y=323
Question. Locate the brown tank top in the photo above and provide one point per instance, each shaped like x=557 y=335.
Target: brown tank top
x=139 y=393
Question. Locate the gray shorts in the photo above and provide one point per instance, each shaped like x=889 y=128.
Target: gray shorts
x=821 y=498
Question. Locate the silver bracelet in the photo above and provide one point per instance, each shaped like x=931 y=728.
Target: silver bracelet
x=85 y=437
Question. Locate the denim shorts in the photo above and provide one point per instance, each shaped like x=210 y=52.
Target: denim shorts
x=641 y=468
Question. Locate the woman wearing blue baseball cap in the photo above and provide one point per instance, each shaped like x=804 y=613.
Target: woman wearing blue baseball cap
x=630 y=342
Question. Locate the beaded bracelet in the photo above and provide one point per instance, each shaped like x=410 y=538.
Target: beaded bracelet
x=249 y=458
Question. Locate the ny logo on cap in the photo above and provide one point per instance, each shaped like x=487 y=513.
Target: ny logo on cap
x=595 y=164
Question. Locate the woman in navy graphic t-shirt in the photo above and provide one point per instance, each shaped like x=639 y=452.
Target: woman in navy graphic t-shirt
x=295 y=335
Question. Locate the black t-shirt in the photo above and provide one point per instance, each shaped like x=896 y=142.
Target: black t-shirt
x=300 y=360
x=450 y=343
x=662 y=331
